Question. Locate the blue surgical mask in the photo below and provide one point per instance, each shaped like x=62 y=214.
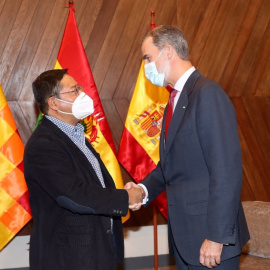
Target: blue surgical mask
x=152 y=74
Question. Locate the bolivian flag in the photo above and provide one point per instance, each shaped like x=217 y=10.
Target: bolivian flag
x=72 y=56
x=14 y=206
x=139 y=145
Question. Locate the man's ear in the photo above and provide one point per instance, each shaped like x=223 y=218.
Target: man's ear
x=52 y=103
x=169 y=51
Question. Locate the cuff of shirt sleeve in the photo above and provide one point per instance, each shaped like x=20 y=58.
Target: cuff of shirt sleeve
x=145 y=199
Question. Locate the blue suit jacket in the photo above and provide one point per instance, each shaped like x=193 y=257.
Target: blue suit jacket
x=201 y=169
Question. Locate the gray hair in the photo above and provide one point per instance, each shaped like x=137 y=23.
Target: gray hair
x=167 y=34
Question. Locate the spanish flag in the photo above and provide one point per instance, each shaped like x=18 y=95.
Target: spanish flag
x=14 y=205
x=139 y=145
x=72 y=56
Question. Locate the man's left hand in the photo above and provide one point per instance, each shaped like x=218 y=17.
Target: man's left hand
x=210 y=253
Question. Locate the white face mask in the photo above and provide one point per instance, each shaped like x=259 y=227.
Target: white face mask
x=152 y=74
x=82 y=106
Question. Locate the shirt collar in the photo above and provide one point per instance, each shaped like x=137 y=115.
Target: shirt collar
x=183 y=79
x=73 y=132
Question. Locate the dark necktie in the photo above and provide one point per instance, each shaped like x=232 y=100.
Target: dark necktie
x=170 y=111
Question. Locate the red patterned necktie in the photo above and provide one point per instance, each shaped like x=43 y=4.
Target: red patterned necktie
x=170 y=111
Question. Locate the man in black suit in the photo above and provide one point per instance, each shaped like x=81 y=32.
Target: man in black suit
x=200 y=159
x=75 y=206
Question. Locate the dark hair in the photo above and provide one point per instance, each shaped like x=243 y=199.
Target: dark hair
x=47 y=84
x=167 y=34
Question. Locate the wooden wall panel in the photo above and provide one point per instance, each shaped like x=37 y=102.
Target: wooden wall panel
x=238 y=86
x=45 y=46
x=106 y=61
x=87 y=19
x=239 y=45
x=2 y=3
x=99 y=32
x=7 y=18
x=15 y=40
x=263 y=88
x=167 y=12
x=123 y=48
x=261 y=131
x=255 y=163
x=204 y=27
x=229 y=42
x=29 y=47
x=264 y=105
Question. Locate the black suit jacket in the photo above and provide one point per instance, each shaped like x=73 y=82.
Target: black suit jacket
x=71 y=210
x=201 y=169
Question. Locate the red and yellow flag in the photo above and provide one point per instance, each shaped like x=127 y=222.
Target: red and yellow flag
x=139 y=145
x=14 y=206
x=72 y=56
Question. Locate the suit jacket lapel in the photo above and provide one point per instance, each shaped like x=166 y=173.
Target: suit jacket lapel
x=106 y=175
x=178 y=115
x=73 y=148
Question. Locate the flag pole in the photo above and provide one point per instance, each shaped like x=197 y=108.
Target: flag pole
x=152 y=26
x=155 y=237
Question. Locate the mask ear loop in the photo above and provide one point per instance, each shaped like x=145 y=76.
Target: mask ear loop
x=159 y=55
x=64 y=101
x=168 y=61
x=167 y=65
x=61 y=100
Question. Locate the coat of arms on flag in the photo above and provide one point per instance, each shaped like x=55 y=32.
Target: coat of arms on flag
x=150 y=122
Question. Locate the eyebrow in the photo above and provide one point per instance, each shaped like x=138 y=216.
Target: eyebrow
x=74 y=86
x=145 y=56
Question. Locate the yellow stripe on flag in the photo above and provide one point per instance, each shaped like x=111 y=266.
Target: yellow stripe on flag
x=143 y=111
x=6 y=202
x=3 y=101
x=6 y=167
x=6 y=131
x=108 y=157
x=57 y=65
x=5 y=236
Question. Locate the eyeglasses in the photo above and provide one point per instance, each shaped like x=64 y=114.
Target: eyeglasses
x=73 y=92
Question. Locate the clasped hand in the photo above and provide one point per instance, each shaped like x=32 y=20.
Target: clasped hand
x=135 y=194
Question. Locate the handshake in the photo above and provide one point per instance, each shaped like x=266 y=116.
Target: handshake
x=136 y=195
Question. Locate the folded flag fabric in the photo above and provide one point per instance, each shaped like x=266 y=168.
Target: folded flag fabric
x=14 y=205
x=139 y=145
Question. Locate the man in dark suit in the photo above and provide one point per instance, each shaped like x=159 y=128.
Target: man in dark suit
x=200 y=159
x=76 y=208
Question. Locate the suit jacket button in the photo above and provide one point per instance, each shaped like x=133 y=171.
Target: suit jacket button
x=167 y=183
x=109 y=232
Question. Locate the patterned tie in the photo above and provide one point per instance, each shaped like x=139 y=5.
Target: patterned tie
x=170 y=111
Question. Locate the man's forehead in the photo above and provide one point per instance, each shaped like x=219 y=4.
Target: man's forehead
x=148 y=43
x=148 y=47
x=68 y=81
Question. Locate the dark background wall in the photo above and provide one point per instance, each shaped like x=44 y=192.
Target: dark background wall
x=229 y=42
